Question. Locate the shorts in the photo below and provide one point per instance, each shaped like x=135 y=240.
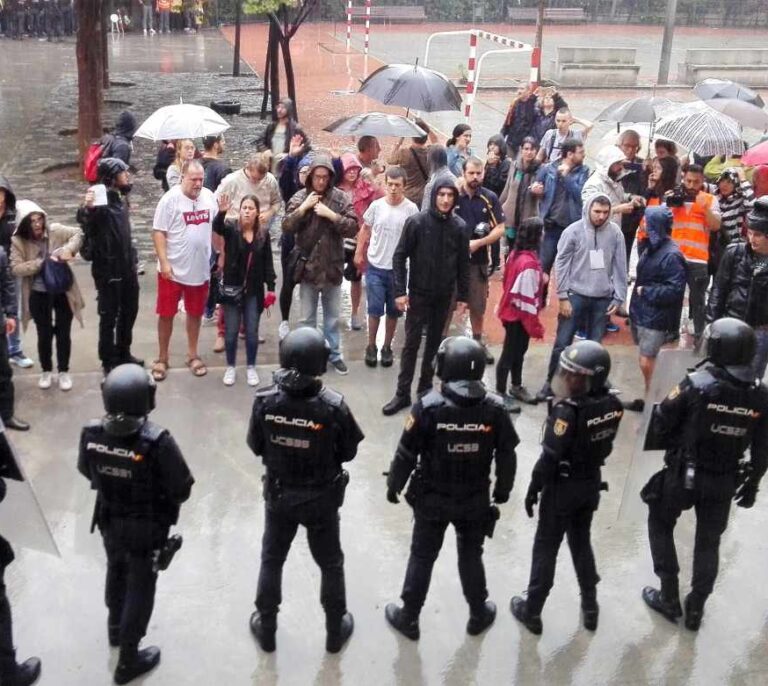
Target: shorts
x=380 y=292
x=478 y=288
x=350 y=270
x=648 y=341
x=170 y=292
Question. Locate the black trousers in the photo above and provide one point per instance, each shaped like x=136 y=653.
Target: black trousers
x=131 y=578
x=427 y=539
x=516 y=340
x=53 y=318
x=566 y=508
x=118 y=303
x=322 y=524
x=286 y=289
x=7 y=652
x=629 y=241
x=422 y=312
x=711 y=500
x=6 y=379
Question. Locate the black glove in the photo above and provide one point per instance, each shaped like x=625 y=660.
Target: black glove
x=392 y=496
x=499 y=497
x=531 y=498
x=745 y=495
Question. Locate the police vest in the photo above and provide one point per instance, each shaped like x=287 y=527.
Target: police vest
x=460 y=444
x=124 y=472
x=725 y=423
x=300 y=437
x=597 y=423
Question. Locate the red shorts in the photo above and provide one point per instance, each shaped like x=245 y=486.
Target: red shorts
x=170 y=292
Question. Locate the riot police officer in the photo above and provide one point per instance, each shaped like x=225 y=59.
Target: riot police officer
x=578 y=437
x=141 y=479
x=303 y=432
x=451 y=438
x=11 y=673
x=705 y=424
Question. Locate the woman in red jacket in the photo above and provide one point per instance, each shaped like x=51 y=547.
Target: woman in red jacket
x=519 y=311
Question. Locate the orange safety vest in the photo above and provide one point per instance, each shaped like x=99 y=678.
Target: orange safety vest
x=689 y=229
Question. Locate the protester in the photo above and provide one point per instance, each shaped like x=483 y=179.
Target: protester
x=735 y=196
x=247 y=269
x=518 y=310
x=147 y=16
x=547 y=105
x=413 y=159
x=720 y=163
x=34 y=242
x=740 y=288
x=437 y=159
x=495 y=175
x=591 y=271
x=606 y=180
x=657 y=298
x=760 y=180
x=166 y=154
x=276 y=140
x=320 y=217
x=8 y=323
x=181 y=231
x=253 y=179
x=517 y=201
x=664 y=148
x=520 y=119
x=458 y=148
x=215 y=168
x=634 y=181
x=382 y=227
x=551 y=145
x=164 y=10
x=119 y=143
x=662 y=178
x=368 y=151
x=185 y=151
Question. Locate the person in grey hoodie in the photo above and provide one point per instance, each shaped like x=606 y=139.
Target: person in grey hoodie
x=591 y=269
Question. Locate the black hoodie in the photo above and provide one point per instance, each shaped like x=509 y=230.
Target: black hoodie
x=496 y=177
x=122 y=135
x=292 y=128
x=438 y=249
x=8 y=218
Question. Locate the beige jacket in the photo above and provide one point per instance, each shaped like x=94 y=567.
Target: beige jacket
x=26 y=263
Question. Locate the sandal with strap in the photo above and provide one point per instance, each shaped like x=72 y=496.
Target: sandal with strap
x=197 y=366
x=159 y=370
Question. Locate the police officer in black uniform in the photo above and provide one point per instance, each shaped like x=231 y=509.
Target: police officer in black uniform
x=706 y=423
x=303 y=432
x=578 y=437
x=451 y=437
x=11 y=673
x=142 y=479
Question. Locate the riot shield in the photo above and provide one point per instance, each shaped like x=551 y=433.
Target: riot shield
x=647 y=457
x=22 y=520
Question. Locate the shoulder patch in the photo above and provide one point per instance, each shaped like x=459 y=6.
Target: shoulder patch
x=674 y=392
x=560 y=427
x=268 y=391
x=333 y=398
x=410 y=421
x=432 y=399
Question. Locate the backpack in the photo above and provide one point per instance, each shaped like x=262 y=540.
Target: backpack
x=95 y=152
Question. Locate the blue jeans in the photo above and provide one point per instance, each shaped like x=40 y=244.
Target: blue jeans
x=760 y=360
x=248 y=311
x=14 y=339
x=146 y=17
x=589 y=312
x=548 y=249
x=380 y=289
x=330 y=297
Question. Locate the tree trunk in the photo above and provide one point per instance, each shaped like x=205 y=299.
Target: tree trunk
x=274 y=67
x=104 y=30
x=290 y=79
x=267 y=85
x=89 y=73
x=236 y=60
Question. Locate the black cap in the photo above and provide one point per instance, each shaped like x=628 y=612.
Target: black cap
x=109 y=167
x=757 y=219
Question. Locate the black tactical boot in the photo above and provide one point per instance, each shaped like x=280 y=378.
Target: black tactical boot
x=26 y=673
x=590 y=610
x=519 y=607
x=263 y=628
x=134 y=662
x=481 y=618
x=668 y=607
x=338 y=632
x=113 y=633
x=169 y=549
x=694 y=611
x=403 y=620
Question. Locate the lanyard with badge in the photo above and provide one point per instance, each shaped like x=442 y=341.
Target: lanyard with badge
x=596 y=256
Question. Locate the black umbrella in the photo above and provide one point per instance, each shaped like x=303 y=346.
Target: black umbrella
x=634 y=110
x=375 y=124
x=709 y=89
x=412 y=86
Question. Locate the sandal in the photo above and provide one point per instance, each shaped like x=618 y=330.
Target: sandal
x=197 y=366
x=159 y=370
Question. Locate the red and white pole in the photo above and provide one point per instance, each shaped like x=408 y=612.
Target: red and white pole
x=535 y=66
x=367 y=24
x=349 y=24
x=469 y=98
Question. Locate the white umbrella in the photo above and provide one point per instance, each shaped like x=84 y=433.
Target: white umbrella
x=700 y=129
x=745 y=113
x=181 y=121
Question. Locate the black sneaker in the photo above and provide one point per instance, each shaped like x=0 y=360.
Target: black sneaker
x=340 y=367
x=590 y=611
x=669 y=609
x=387 y=358
x=519 y=607
x=372 y=356
x=27 y=673
x=337 y=636
x=545 y=393
x=403 y=621
x=511 y=405
x=479 y=621
x=694 y=611
x=522 y=394
x=140 y=662
x=396 y=404
x=263 y=629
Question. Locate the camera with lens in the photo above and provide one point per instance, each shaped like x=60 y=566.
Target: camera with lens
x=481 y=230
x=676 y=198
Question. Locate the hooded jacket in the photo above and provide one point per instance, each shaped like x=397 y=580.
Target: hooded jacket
x=574 y=181
x=320 y=240
x=661 y=274
x=122 y=135
x=600 y=182
x=495 y=178
x=291 y=129
x=741 y=287
x=437 y=248
x=573 y=264
x=517 y=201
x=26 y=263
x=363 y=193
x=8 y=218
x=522 y=291
x=519 y=121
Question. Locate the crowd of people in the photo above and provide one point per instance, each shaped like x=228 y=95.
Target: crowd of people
x=51 y=19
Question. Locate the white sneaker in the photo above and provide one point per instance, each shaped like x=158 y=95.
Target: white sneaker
x=284 y=329
x=45 y=380
x=229 y=376
x=65 y=381
x=21 y=361
x=252 y=376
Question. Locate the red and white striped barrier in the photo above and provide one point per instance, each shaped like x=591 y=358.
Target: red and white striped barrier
x=367 y=25
x=349 y=24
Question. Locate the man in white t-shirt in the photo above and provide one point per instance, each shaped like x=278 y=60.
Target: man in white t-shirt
x=182 y=237
x=383 y=223
x=552 y=140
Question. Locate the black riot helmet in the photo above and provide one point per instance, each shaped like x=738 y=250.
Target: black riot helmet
x=108 y=168
x=128 y=393
x=305 y=350
x=583 y=369
x=731 y=343
x=460 y=358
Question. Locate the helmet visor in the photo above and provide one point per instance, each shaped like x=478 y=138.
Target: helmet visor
x=569 y=384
